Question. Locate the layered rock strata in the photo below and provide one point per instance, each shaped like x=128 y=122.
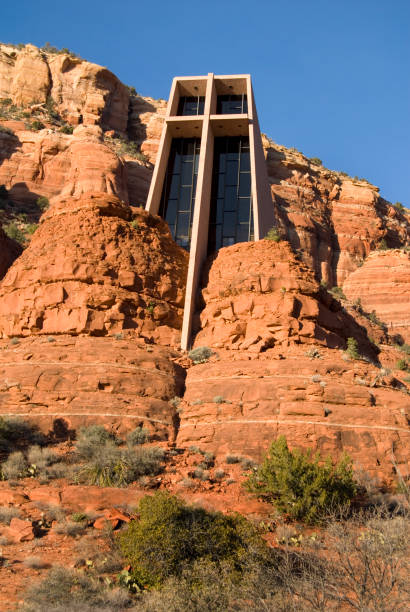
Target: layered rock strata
x=238 y=406
x=383 y=284
x=91 y=269
x=63 y=382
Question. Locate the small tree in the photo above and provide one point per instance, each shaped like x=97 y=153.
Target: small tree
x=352 y=348
x=274 y=235
x=300 y=485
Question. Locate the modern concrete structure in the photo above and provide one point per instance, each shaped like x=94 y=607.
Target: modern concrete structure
x=210 y=181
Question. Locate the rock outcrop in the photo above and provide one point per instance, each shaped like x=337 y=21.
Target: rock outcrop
x=383 y=285
x=332 y=220
x=258 y=295
x=63 y=382
x=278 y=370
x=89 y=270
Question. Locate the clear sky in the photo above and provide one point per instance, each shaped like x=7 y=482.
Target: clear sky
x=331 y=78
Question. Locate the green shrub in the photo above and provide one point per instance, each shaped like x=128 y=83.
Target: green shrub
x=111 y=466
x=43 y=203
x=352 y=348
x=40 y=460
x=170 y=536
x=274 y=235
x=338 y=292
x=91 y=439
x=405 y=348
x=31 y=228
x=139 y=435
x=36 y=125
x=66 y=129
x=382 y=246
x=12 y=231
x=399 y=206
x=299 y=485
x=66 y=590
x=232 y=459
x=316 y=161
x=402 y=364
x=200 y=354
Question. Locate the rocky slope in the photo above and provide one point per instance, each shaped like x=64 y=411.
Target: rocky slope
x=383 y=284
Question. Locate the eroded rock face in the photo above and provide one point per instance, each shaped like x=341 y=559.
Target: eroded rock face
x=259 y=295
x=383 y=285
x=63 y=382
x=89 y=271
x=333 y=220
x=83 y=92
x=238 y=406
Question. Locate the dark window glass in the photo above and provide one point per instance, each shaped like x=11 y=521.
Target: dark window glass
x=231 y=173
x=244 y=184
x=231 y=209
x=232 y=104
x=178 y=194
x=191 y=105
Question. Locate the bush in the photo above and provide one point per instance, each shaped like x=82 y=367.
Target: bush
x=67 y=129
x=40 y=459
x=66 y=590
x=110 y=466
x=274 y=235
x=352 y=348
x=36 y=125
x=399 y=207
x=43 y=203
x=7 y=513
x=382 y=246
x=12 y=231
x=402 y=364
x=338 y=293
x=171 y=536
x=299 y=485
x=15 y=466
x=91 y=439
x=31 y=228
x=139 y=435
x=316 y=161
x=200 y=354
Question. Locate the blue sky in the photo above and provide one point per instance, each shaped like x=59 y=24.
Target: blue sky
x=331 y=78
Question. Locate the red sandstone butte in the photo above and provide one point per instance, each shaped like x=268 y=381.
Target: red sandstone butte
x=96 y=267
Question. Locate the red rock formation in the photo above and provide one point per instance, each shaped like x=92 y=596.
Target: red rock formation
x=258 y=295
x=88 y=270
x=281 y=373
x=64 y=382
x=383 y=285
x=333 y=220
x=237 y=405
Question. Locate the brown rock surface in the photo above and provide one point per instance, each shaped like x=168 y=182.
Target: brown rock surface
x=70 y=382
x=383 y=285
x=239 y=405
x=88 y=270
x=258 y=295
x=333 y=220
x=264 y=314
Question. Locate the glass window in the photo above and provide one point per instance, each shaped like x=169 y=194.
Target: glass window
x=191 y=105
x=231 y=202
x=231 y=104
x=178 y=194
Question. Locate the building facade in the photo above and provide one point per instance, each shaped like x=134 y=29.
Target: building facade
x=210 y=182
